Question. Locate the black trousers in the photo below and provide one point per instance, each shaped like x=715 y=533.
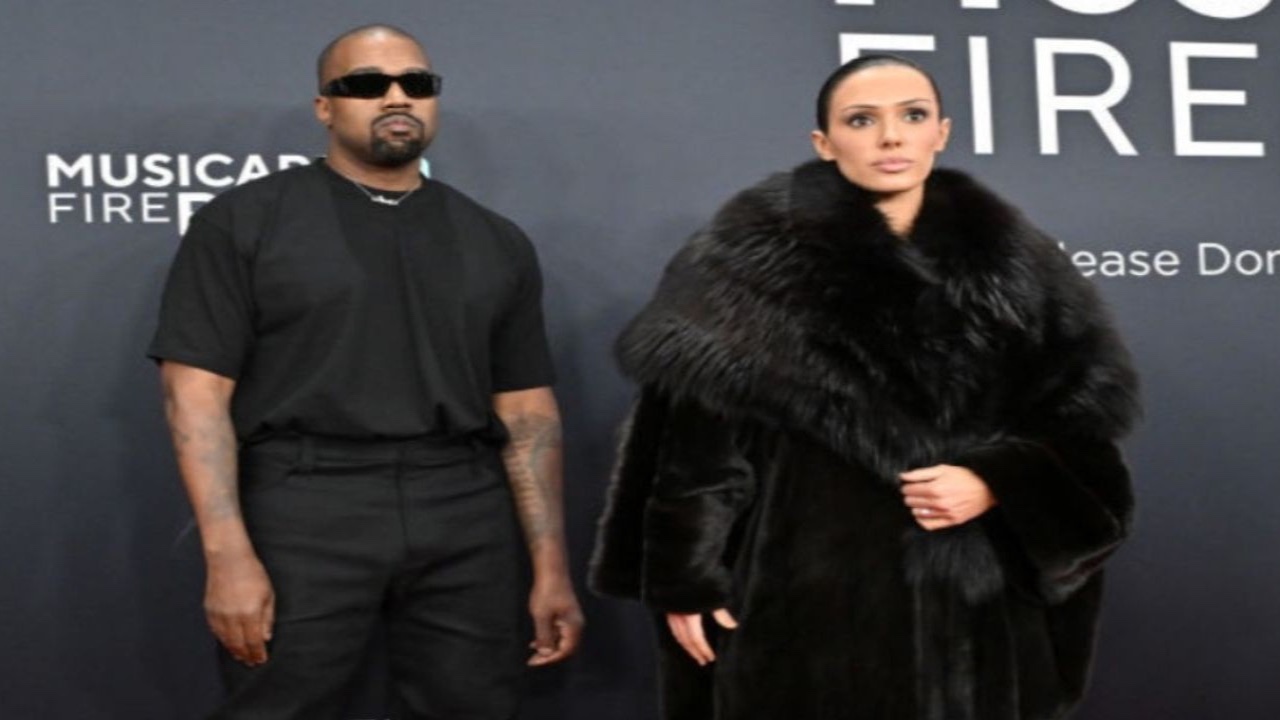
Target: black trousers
x=419 y=535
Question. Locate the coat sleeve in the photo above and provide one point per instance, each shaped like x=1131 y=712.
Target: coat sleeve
x=1066 y=503
x=678 y=489
x=1064 y=491
x=618 y=555
x=702 y=486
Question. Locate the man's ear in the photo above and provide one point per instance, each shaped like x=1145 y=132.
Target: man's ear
x=324 y=111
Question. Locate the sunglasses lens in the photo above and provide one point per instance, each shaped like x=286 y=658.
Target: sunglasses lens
x=364 y=85
x=420 y=85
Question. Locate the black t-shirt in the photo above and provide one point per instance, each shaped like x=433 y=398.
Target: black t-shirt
x=342 y=317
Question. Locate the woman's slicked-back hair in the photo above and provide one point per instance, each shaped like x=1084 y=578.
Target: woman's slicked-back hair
x=857 y=65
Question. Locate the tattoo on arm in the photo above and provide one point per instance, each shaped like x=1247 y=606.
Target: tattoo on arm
x=533 y=460
x=205 y=445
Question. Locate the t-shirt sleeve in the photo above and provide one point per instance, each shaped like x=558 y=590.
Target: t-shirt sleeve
x=520 y=356
x=206 y=311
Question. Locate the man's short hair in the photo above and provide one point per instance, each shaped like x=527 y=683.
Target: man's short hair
x=323 y=59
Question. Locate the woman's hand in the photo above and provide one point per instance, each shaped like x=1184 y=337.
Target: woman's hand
x=944 y=496
x=687 y=630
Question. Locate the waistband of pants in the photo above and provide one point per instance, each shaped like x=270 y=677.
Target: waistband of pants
x=307 y=450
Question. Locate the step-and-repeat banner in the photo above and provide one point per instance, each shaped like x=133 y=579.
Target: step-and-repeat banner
x=1143 y=134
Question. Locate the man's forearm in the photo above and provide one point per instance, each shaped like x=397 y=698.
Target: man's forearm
x=533 y=459
x=205 y=445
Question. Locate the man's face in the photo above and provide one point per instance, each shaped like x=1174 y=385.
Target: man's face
x=388 y=131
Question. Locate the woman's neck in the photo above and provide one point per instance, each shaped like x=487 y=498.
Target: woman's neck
x=900 y=210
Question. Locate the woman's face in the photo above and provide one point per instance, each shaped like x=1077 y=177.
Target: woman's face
x=884 y=129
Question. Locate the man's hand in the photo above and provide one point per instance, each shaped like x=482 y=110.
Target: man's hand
x=240 y=606
x=943 y=496
x=687 y=629
x=557 y=621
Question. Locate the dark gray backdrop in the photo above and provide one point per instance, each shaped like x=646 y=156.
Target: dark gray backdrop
x=609 y=130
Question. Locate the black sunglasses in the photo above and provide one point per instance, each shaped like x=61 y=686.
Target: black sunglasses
x=415 y=84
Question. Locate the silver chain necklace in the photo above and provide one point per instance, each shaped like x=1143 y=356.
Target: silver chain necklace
x=383 y=199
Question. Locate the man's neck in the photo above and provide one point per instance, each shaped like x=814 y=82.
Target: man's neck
x=404 y=177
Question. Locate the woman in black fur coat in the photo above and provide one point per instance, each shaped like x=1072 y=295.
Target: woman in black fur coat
x=872 y=471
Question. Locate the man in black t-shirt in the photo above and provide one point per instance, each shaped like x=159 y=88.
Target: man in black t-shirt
x=357 y=380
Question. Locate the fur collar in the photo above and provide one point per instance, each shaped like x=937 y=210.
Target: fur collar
x=798 y=307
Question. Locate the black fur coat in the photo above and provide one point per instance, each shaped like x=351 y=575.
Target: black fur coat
x=796 y=358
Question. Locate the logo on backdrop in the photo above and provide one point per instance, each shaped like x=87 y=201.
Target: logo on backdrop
x=1050 y=54
x=1050 y=57
x=153 y=188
